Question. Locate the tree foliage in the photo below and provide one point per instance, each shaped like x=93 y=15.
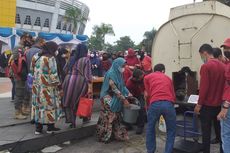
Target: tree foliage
x=124 y=44
x=99 y=32
x=95 y=43
x=148 y=39
x=74 y=15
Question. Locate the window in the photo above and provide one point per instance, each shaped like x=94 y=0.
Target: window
x=37 y=22
x=46 y=24
x=58 y=25
x=81 y=29
x=64 y=27
x=27 y=20
x=70 y=28
x=17 y=19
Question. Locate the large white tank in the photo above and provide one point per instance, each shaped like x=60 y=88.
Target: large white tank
x=177 y=41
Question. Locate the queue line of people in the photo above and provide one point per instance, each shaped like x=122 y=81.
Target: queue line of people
x=56 y=84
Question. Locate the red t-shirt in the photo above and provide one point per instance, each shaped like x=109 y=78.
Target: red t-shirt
x=127 y=74
x=211 y=83
x=159 y=87
x=135 y=88
x=146 y=64
x=226 y=95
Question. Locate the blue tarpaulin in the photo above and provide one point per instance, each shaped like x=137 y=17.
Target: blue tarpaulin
x=65 y=37
x=6 y=32
x=20 y=32
x=47 y=36
x=11 y=36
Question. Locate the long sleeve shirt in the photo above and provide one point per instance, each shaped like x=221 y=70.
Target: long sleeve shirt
x=211 y=83
x=226 y=95
x=159 y=87
x=135 y=88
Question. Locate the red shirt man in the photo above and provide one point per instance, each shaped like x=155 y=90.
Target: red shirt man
x=159 y=87
x=135 y=87
x=211 y=83
x=226 y=94
x=161 y=95
x=210 y=96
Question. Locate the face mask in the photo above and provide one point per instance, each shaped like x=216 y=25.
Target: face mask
x=96 y=54
x=101 y=58
x=63 y=56
x=138 y=56
x=227 y=54
x=121 y=69
x=56 y=53
x=92 y=55
x=203 y=59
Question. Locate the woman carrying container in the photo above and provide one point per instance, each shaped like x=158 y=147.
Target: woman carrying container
x=77 y=83
x=112 y=96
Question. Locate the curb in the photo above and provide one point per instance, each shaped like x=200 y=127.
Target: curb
x=38 y=143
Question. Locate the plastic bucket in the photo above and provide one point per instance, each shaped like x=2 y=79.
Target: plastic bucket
x=130 y=114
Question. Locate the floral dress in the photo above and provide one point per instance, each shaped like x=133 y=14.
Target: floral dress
x=109 y=123
x=46 y=103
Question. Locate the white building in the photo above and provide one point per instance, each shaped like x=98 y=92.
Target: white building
x=47 y=15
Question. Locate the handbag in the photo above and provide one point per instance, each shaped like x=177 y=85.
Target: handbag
x=85 y=107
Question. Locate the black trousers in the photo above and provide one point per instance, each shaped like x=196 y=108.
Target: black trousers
x=208 y=115
x=216 y=125
x=142 y=113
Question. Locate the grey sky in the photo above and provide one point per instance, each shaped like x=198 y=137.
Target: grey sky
x=130 y=17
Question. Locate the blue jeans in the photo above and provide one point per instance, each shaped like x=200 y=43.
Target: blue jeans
x=155 y=110
x=225 y=133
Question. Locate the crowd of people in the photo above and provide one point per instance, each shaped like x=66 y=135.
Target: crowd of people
x=60 y=77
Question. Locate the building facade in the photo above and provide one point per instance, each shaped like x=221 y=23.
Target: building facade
x=48 y=15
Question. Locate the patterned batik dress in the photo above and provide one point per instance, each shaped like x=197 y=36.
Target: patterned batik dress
x=109 y=123
x=46 y=103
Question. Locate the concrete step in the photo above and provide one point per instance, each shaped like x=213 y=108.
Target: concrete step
x=21 y=138
x=7 y=113
x=18 y=136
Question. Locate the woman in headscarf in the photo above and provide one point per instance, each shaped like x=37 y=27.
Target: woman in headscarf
x=77 y=82
x=61 y=62
x=105 y=63
x=95 y=63
x=132 y=62
x=131 y=58
x=112 y=97
x=146 y=62
x=46 y=103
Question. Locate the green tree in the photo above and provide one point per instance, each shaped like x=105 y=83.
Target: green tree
x=74 y=15
x=95 y=43
x=124 y=43
x=148 y=39
x=109 y=48
x=101 y=31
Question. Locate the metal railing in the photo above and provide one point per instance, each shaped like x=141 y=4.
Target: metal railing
x=65 y=4
x=45 y=2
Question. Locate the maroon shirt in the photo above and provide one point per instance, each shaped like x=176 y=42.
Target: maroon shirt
x=226 y=95
x=159 y=87
x=135 y=88
x=211 y=83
